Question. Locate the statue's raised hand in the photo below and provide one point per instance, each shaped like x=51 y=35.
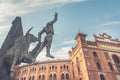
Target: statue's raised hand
x=56 y=14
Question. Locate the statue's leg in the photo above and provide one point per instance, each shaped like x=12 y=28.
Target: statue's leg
x=17 y=53
x=48 y=46
x=28 y=58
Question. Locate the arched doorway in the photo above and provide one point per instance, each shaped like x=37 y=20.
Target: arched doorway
x=62 y=77
x=102 y=77
x=116 y=60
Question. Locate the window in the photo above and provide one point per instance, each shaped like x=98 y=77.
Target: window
x=64 y=66
x=62 y=77
x=24 y=78
x=95 y=54
x=43 y=77
x=45 y=68
x=50 y=77
x=80 y=78
x=39 y=77
x=98 y=65
x=30 y=78
x=53 y=67
x=35 y=69
x=55 y=78
x=67 y=76
x=50 y=67
x=61 y=67
x=110 y=65
x=106 y=55
x=33 y=77
x=78 y=69
x=102 y=77
x=67 y=67
x=42 y=67
x=116 y=60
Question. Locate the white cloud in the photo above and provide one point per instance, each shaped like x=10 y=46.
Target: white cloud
x=59 y=54
x=11 y=8
x=68 y=1
x=68 y=42
x=3 y=32
x=62 y=53
x=109 y=23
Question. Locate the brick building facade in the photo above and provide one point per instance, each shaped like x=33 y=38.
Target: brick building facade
x=46 y=70
x=89 y=60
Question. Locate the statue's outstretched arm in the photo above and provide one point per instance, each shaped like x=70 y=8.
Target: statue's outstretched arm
x=55 y=19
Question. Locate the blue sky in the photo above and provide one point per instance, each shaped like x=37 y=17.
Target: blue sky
x=88 y=16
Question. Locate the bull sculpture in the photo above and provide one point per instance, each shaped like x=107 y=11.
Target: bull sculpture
x=19 y=52
x=20 y=49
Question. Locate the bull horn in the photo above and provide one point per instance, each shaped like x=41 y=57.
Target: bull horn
x=29 y=30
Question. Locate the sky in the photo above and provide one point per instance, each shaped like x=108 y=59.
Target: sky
x=87 y=16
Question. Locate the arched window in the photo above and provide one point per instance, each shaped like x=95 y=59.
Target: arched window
x=102 y=77
x=30 y=78
x=67 y=67
x=95 y=54
x=33 y=77
x=33 y=69
x=98 y=65
x=43 y=77
x=67 y=77
x=78 y=69
x=24 y=78
x=42 y=67
x=39 y=77
x=110 y=65
x=62 y=77
x=52 y=66
x=55 y=67
x=61 y=67
x=64 y=66
x=54 y=78
x=50 y=77
x=80 y=78
x=116 y=60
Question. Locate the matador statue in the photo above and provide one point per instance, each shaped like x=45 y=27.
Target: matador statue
x=49 y=31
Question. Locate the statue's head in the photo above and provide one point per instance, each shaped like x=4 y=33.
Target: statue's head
x=30 y=37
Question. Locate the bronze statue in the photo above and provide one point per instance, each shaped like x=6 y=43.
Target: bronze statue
x=19 y=51
x=49 y=30
x=15 y=47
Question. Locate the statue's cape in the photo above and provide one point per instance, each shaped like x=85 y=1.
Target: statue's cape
x=15 y=32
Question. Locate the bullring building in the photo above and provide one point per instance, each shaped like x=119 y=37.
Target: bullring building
x=88 y=60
